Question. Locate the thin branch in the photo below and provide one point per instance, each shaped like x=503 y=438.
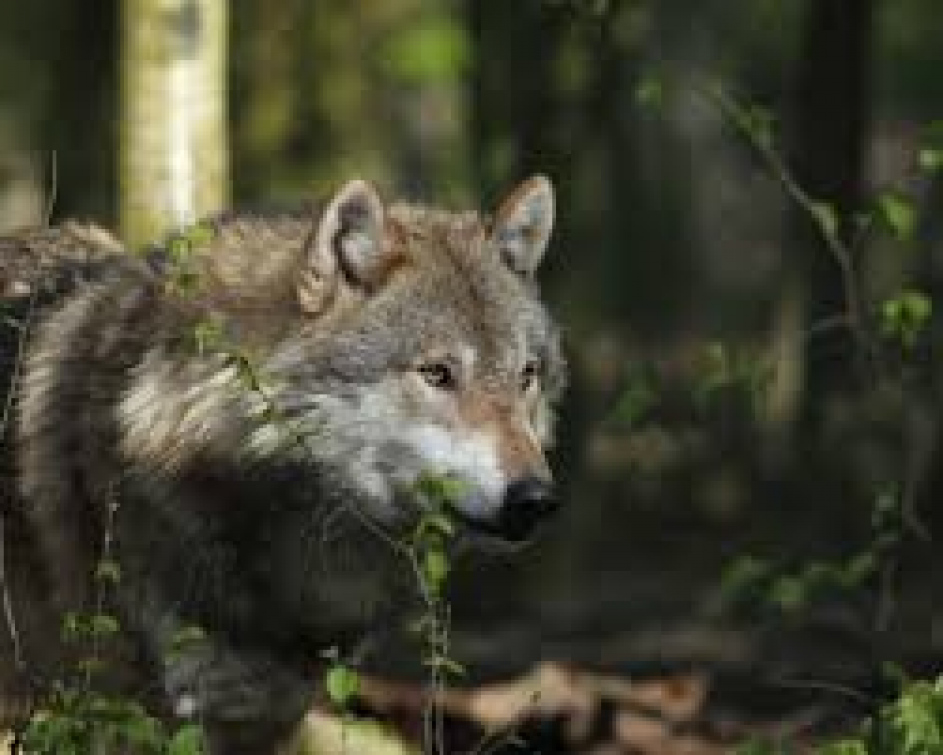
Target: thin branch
x=838 y=689
x=826 y=224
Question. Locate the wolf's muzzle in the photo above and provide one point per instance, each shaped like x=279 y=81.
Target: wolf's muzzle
x=527 y=502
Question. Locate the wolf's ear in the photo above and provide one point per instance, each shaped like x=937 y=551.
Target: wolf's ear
x=348 y=246
x=523 y=224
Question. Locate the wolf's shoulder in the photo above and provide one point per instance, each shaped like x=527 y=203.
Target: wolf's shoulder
x=47 y=263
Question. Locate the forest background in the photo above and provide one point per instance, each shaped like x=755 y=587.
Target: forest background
x=748 y=252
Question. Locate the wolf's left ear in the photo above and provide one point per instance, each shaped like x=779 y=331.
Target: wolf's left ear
x=349 y=246
x=523 y=224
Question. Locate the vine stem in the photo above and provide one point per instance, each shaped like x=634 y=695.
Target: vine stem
x=821 y=214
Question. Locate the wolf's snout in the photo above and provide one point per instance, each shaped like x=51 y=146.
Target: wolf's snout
x=527 y=502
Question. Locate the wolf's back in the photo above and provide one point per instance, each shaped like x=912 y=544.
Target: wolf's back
x=38 y=270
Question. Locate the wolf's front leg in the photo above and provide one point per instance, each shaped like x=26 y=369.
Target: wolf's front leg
x=248 y=704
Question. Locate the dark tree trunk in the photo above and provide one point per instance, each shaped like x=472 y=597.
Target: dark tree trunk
x=828 y=157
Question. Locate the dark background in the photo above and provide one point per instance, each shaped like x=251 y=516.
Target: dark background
x=745 y=488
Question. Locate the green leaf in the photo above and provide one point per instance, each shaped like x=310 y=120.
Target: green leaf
x=440 y=523
x=859 y=569
x=200 y=235
x=103 y=625
x=342 y=684
x=108 y=571
x=637 y=398
x=930 y=156
x=897 y=213
x=187 y=740
x=650 y=92
x=439 y=488
x=435 y=568
x=918 y=717
x=843 y=747
x=89 y=665
x=178 y=248
x=186 y=637
x=75 y=627
x=930 y=159
x=905 y=316
x=788 y=593
x=757 y=747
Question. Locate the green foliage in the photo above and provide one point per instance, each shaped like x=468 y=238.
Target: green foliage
x=187 y=740
x=182 y=641
x=930 y=159
x=755 y=122
x=844 y=747
x=897 y=213
x=108 y=572
x=342 y=684
x=84 y=722
x=183 y=276
x=762 y=747
x=650 y=92
x=77 y=627
x=910 y=725
x=427 y=547
x=428 y=544
x=752 y=584
x=78 y=719
x=904 y=317
x=930 y=155
x=725 y=371
x=637 y=399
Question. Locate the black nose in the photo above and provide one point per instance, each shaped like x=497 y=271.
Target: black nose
x=526 y=503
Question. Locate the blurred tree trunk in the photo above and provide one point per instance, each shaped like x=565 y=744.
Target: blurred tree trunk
x=828 y=157
x=174 y=145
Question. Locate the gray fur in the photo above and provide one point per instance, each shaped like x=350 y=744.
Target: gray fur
x=277 y=544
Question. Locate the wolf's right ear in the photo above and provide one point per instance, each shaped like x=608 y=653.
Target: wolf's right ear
x=523 y=224
x=349 y=246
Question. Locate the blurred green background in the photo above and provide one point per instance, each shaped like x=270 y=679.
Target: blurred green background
x=741 y=491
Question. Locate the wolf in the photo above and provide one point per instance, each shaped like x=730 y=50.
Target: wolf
x=236 y=424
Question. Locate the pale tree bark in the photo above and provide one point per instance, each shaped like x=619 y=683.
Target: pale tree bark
x=174 y=143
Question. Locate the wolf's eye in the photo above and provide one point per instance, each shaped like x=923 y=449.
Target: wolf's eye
x=529 y=375
x=438 y=375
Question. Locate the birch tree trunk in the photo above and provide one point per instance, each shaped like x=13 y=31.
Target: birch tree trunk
x=174 y=164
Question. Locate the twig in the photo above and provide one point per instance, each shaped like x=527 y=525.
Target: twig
x=831 y=687
x=111 y=508
x=826 y=225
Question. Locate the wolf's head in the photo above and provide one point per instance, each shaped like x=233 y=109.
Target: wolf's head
x=395 y=342
x=424 y=349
